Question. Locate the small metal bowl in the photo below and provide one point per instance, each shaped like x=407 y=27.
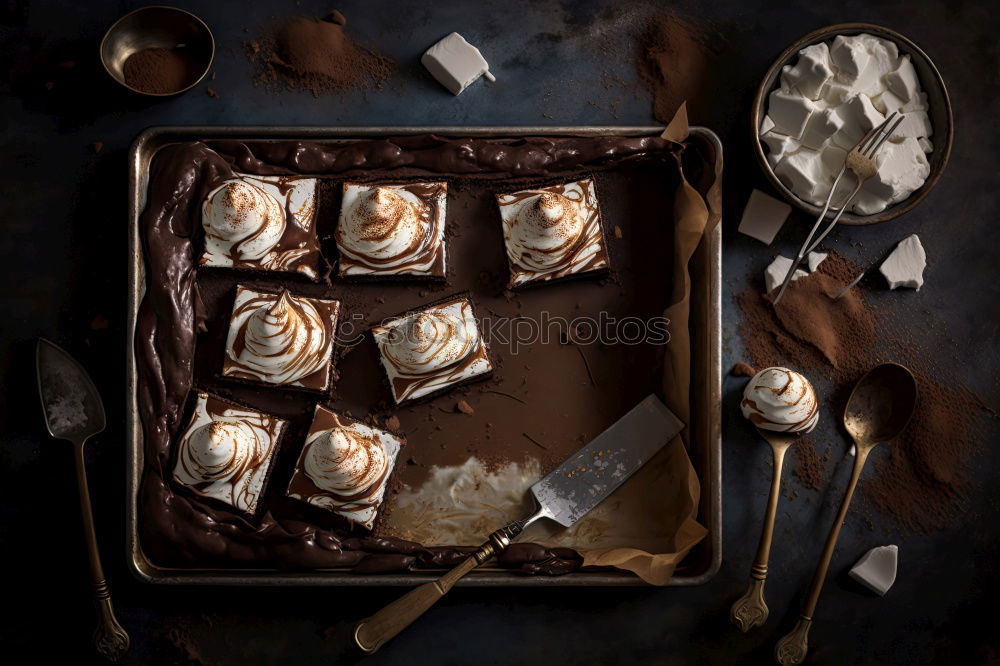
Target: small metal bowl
x=940 y=113
x=157 y=27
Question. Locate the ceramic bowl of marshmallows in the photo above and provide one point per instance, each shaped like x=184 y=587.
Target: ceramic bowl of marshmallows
x=825 y=92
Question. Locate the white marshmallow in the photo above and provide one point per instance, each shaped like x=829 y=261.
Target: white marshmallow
x=925 y=144
x=820 y=127
x=849 y=56
x=858 y=116
x=903 y=81
x=775 y=273
x=455 y=63
x=814 y=259
x=902 y=168
x=766 y=125
x=876 y=569
x=811 y=71
x=887 y=102
x=790 y=112
x=916 y=124
x=779 y=146
x=918 y=103
x=803 y=173
x=763 y=217
x=905 y=266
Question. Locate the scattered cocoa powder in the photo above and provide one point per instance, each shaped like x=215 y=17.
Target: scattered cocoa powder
x=160 y=71
x=808 y=465
x=316 y=55
x=921 y=480
x=672 y=61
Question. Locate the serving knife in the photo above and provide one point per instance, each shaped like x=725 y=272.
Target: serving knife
x=582 y=482
x=74 y=412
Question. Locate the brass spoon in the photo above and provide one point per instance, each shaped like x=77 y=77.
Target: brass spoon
x=74 y=412
x=750 y=611
x=877 y=411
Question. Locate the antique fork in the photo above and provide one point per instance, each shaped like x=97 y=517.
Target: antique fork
x=861 y=162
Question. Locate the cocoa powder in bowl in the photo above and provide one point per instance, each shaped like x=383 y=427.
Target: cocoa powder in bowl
x=160 y=71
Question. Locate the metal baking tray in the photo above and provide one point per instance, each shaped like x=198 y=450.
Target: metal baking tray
x=706 y=430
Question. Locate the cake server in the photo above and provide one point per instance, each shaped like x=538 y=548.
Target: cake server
x=877 y=410
x=73 y=411
x=582 y=482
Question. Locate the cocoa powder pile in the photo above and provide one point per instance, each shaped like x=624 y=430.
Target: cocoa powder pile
x=921 y=479
x=672 y=61
x=316 y=55
x=160 y=71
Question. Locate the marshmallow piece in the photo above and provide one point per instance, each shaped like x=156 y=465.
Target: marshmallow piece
x=763 y=217
x=903 y=81
x=456 y=63
x=888 y=102
x=925 y=144
x=766 y=125
x=837 y=92
x=803 y=173
x=918 y=103
x=858 y=116
x=905 y=266
x=814 y=259
x=850 y=57
x=820 y=127
x=811 y=71
x=779 y=146
x=790 y=112
x=915 y=124
x=884 y=53
x=775 y=274
x=902 y=168
x=876 y=569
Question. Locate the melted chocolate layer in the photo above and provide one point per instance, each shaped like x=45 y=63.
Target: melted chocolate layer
x=179 y=531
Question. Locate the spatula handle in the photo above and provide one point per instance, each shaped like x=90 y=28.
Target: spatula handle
x=373 y=632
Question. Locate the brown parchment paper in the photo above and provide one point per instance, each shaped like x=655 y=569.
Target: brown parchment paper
x=669 y=479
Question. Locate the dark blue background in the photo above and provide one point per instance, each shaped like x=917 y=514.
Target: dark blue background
x=62 y=275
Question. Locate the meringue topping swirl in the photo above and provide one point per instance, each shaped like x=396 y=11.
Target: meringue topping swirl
x=432 y=349
x=348 y=462
x=225 y=455
x=391 y=229
x=552 y=232
x=545 y=232
x=279 y=340
x=242 y=222
x=782 y=400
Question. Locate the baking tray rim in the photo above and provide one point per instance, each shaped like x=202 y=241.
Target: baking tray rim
x=145 y=571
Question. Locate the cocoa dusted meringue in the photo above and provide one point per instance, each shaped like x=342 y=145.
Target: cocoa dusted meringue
x=392 y=230
x=225 y=452
x=281 y=339
x=345 y=466
x=432 y=349
x=262 y=223
x=552 y=232
x=782 y=400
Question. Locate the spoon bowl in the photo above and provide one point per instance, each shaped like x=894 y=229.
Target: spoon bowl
x=881 y=404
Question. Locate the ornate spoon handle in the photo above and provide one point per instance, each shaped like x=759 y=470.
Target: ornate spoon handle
x=110 y=638
x=750 y=610
x=793 y=647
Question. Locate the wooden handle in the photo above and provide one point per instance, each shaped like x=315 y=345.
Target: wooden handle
x=373 y=632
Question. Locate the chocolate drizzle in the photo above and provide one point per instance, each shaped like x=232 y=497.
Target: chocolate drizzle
x=179 y=531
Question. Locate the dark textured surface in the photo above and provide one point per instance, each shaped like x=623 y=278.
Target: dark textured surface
x=63 y=276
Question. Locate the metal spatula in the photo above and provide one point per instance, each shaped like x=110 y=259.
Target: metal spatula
x=582 y=482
